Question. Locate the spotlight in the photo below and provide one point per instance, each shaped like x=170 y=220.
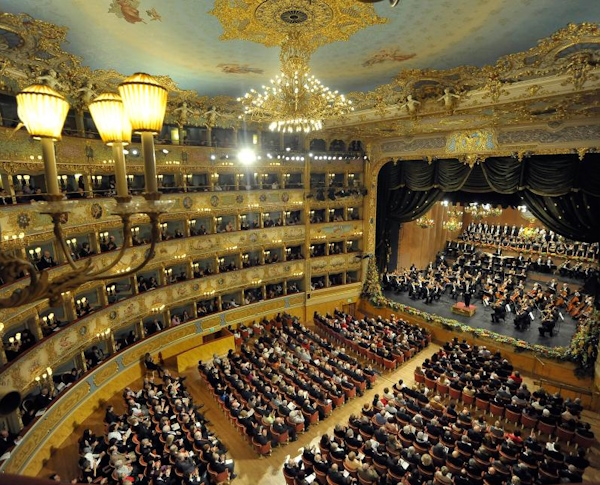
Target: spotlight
x=213 y=157
x=135 y=152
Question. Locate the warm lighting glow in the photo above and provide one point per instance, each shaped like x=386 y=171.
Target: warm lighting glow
x=479 y=211
x=424 y=222
x=145 y=102
x=43 y=111
x=295 y=101
x=108 y=113
x=454 y=222
x=247 y=156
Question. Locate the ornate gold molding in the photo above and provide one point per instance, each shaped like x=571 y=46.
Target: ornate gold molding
x=314 y=23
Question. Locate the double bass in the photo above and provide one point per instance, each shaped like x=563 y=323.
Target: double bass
x=573 y=303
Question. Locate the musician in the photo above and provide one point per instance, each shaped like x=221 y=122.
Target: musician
x=573 y=303
x=428 y=293
x=499 y=311
x=522 y=318
x=454 y=288
x=548 y=266
x=552 y=286
x=549 y=321
x=467 y=292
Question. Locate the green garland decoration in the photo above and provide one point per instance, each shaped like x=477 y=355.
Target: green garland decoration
x=582 y=350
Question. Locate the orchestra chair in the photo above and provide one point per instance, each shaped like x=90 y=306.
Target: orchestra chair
x=430 y=383
x=218 y=478
x=496 y=410
x=362 y=481
x=528 y=422
x=442 y=389
x=353 y=473
x=321 y=477
x=262 y=450
x=512 y=416
x=482 y=404
x=289 y=480
x=281 y=438
x=584 y=441
x=455 y=393
x=468 y=400
x=564 y=434
x=546 y=428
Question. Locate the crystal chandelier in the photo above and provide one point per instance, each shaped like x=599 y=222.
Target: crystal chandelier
x=424 y=222
x=295 y=101
x=478 y=211
x=140 y=107
x=496 y=211
x=454 y=222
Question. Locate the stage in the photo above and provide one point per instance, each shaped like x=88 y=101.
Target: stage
x=482 y=318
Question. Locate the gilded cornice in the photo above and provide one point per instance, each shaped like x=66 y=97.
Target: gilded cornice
x=38 y=56
x=333 y=231
x=63 y=345
x=556 y=80
x=36 y=227
x=312 y=24
x=334 y=264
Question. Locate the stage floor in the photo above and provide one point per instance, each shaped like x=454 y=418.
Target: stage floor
x=483 y=319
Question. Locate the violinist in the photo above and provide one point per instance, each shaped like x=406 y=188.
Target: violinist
x=522 y=318
x=499 y=310
x=534 y=290
x=549 y=321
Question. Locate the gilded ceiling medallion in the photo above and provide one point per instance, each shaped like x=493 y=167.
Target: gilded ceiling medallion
x=271 y=22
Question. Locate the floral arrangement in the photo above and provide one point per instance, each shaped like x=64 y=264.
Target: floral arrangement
x=583 y=348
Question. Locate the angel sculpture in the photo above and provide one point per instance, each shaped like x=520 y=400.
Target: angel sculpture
x=449 y=99
x=183 y=112
x=411 y=105
x=51 y=80
x=211 y=117
x=87 y=93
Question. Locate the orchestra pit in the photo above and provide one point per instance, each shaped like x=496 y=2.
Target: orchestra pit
x=333 y=242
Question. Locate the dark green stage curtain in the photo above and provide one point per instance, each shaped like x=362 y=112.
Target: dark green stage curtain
x=389 y=177
x=575 y=215
x=502 y=175
x=551 y=175
x=450 y=175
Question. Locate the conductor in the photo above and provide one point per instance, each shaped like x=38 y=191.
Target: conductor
x=467 y=294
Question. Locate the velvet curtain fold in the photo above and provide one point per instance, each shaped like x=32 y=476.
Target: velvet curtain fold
x=560 y=190
x=575 y=215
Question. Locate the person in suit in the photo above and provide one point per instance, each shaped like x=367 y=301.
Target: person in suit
x=468 y=291
x=338 y=477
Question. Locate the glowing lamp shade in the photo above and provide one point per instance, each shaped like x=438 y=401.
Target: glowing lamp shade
x=145 y=102
x=43 y=111
x=108 y=113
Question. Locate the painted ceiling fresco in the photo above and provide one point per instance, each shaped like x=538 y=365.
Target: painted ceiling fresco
x=184 y=38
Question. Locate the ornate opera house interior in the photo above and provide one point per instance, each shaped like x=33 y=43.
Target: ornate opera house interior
x=367 y=227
